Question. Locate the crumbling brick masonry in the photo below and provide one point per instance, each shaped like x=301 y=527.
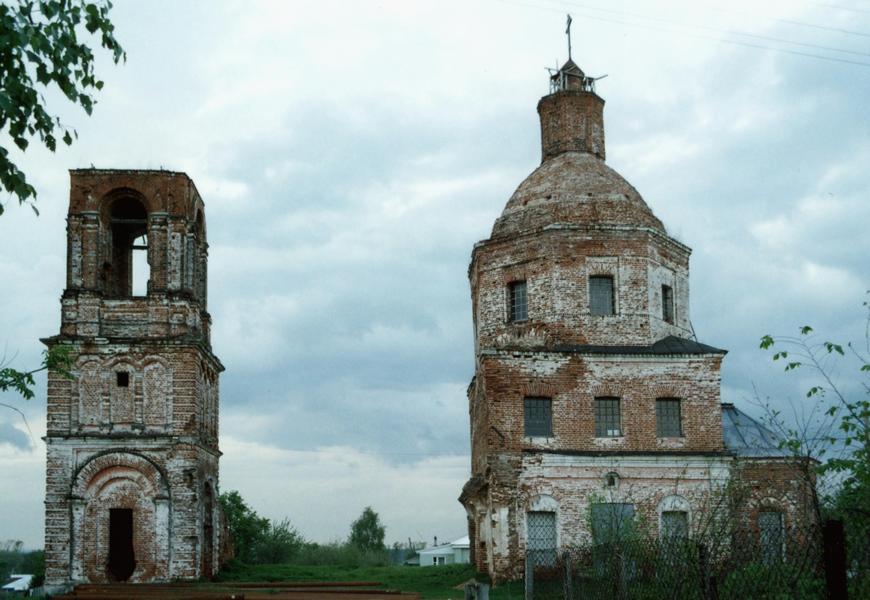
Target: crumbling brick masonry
x=132 y=439
x=591 y=392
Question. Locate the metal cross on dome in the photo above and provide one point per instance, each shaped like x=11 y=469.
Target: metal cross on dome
x=568 y=33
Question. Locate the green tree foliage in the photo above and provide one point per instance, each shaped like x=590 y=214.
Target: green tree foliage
x=40 y=49
x=846 y=422
x=279 y=544
x=246 y=527
x=13 y=559
x=839 y=437
x=56 y=359
x=257 y=540
x=367 y=532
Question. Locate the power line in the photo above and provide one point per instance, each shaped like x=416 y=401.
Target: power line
x=794 y=22
x=839 y=7
x=710 y=28
x=695 y=35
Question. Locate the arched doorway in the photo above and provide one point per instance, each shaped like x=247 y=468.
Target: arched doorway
x=119 y=520
x=122 y=556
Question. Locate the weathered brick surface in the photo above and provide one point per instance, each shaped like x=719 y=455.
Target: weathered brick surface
x=150 y=444
x=571 y=219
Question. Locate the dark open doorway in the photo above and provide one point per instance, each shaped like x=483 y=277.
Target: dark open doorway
x=122 y=561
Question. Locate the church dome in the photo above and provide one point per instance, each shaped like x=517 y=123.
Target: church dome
x=574 y=188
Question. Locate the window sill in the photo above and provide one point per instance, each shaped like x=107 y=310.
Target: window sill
x=538 y=442
x=671 y=442
x=608 y=442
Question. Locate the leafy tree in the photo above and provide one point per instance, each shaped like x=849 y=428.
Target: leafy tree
x=13 y=559
x=40 y=38
x=844 y=426
x=279 y=544
x=55 y=359
x=246 y=527
x=367 y=532
x=836 y=433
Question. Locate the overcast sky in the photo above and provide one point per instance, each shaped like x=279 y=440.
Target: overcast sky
x=349 y=156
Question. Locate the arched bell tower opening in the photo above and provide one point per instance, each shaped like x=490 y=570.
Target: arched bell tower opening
x=126 y=268
x=132 y=471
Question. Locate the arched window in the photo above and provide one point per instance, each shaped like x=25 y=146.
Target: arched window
x=674 y=518
x=127 y=271
x=771 y=532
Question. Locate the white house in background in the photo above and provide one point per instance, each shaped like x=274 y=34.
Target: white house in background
x=456 y=552
x=19 y=586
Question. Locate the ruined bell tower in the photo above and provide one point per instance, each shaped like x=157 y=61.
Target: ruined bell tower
x=132 y=437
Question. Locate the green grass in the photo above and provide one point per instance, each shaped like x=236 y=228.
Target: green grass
x=430 y=582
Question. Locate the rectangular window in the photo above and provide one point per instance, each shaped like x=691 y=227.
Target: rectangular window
x=538 y=417
x=668 y=418
x=771 y=531
x=518 y=304
x=601 y=295
x=122 y=378
x=608 y=422
x=667 y=303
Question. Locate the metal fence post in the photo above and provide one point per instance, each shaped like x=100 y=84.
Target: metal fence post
x=568 y=581
x=835 y=560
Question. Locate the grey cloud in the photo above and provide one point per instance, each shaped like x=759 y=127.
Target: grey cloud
x=10 y=434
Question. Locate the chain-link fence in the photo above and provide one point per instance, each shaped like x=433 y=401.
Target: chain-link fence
x=764 y=563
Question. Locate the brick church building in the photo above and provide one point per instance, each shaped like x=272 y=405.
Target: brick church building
x=132 y=439
x=592 y=398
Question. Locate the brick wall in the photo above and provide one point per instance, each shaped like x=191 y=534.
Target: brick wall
x=573 y=218
x=136 y=427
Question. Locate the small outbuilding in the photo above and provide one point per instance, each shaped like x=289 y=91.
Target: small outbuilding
x=19 y=586
x=456 y=552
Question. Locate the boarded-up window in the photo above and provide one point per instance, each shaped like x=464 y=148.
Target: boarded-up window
x=675 y=525
x=90 y=395
x=770 y=528
x=667 y=303
x=608 y=422
x=518 y=305
x=157 y=393
x=541 y=545
x=668 y=418
x=601 y=295
x=611 y=521
x=538 y=417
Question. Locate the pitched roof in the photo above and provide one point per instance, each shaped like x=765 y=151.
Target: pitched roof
x=747 y=438
x=19 y=583
x=668 y=345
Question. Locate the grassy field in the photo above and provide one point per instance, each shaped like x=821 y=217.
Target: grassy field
x=430 y=582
